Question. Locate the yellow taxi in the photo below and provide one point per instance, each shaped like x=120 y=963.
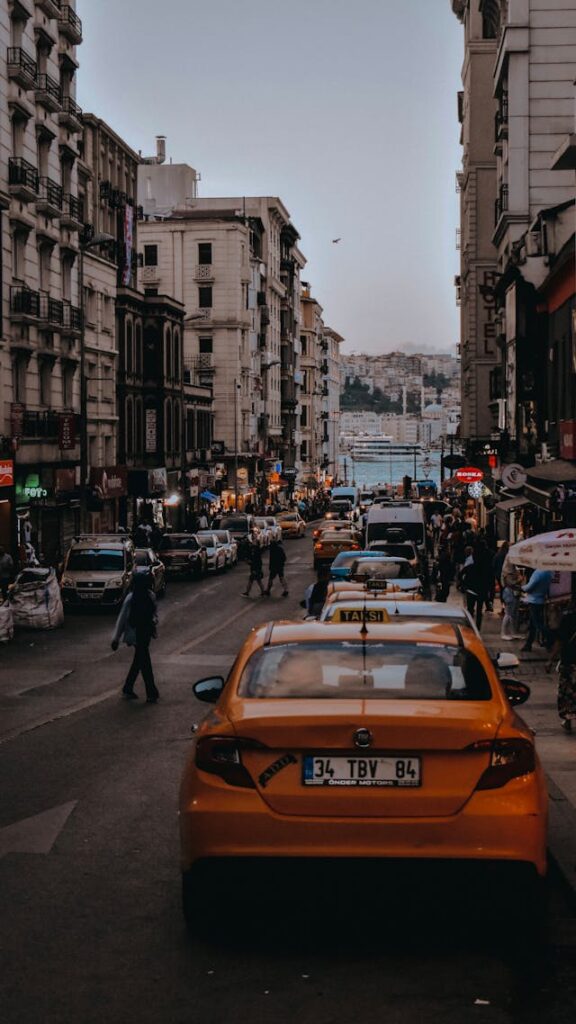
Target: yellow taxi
x=331 y=542
x=362 y=741
x=334 y=524
x=379 y=588
x=291 y=524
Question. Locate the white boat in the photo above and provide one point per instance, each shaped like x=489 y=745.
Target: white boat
x=379 y=447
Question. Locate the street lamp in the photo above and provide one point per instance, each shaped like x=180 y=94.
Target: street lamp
x=101 y=238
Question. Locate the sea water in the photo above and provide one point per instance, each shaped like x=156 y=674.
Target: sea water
x=391 y=469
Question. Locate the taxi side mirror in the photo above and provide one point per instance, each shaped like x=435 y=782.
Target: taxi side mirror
x=209 y=690
x=516 y=692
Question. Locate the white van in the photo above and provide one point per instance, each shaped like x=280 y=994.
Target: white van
x=405 y=516
x=351 y=494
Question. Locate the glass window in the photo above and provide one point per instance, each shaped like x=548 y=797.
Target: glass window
x=150 y=255
x=370 y=670
x=95 y=560
x=205 y=297
x=205 y=345
x=176 y=543
x=204 y=252
x=377 y=570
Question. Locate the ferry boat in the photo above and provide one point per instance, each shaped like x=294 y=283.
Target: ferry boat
x=379 y=447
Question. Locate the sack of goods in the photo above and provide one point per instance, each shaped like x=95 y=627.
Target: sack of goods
x=35 y=600
x=6 y=623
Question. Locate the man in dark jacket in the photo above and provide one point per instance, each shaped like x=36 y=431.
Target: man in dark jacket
x=255 y=562
x=276 y=567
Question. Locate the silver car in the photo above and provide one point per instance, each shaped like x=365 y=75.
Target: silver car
x=230 y=546
x=146 y=560
x=215 y=551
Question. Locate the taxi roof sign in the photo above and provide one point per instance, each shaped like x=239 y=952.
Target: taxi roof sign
x=361 y=615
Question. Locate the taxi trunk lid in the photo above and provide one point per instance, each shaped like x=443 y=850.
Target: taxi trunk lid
x=436 y=738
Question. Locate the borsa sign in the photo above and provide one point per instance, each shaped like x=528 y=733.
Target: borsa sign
x=469 y=475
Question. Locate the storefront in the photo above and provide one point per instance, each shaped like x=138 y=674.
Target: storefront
x=147 y=495
x=47 y=511
x=509 y=518
x=108 y=488
x=7 y=506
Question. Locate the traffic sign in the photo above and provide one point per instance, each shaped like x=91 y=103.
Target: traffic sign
x=469 y=475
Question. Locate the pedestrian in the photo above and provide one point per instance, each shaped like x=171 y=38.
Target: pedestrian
x=536 y=592
x=255 y=563
x=565 y=648
x=443 y=574
x=6 y=571
x=203 y=523
x=498 y=565
x=276 y=567
x=136 y=625
x=475 y=582
x=315 y=596
x=510 y=584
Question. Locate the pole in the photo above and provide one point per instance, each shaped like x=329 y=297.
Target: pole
x=236 y=386
x=415 y=471
x=83 y=394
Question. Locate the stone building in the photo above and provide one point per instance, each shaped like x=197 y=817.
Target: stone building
x=41 y=219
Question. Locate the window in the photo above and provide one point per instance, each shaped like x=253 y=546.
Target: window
x=67 y=278
x=168 y=440
x=303 y=344
x=205 y=346
x=90 y=306
x=204 y=252
x=177 y=439
x=139 y=429
x=129 y=427
x=129 y=347
x=68 y=387
x=176 y=360
x=19 y=374
x=150 y=255
x=92 y=380
x=45 y=382
x=168 y=366
x=44 y=262
x=304 y=416
x=107 y=312
x=205 y=297
x=138 y=358
x=19 y=254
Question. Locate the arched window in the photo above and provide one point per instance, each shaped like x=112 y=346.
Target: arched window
x=168 y=425
x=177 y=372
x=129 y=347
x=168 y=354
x=177 y=427
x=138 y=432
x=129 y=427
x=138 y=359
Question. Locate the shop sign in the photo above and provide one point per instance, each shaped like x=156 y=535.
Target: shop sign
x=568 y=439
x=193 y=491
x=110 y=482
x=513 y=476
x=29 y=488
x=151 y=419
x=67 y=431
x=469 y=475
x=157 y=480
x=274 y=478
x=6 y=473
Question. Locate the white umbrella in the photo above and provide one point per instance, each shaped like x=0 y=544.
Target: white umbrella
x=555 y=551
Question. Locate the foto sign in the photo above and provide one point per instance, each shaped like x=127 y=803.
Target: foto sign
x=469 y=475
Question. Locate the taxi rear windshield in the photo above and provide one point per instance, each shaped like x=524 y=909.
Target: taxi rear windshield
x=369 y=671
x=384 y=570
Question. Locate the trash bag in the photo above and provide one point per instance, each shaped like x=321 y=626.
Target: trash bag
x=6 y=622
x=35 y=600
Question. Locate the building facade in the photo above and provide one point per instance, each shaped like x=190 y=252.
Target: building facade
x=480 y=119
x=41 y=221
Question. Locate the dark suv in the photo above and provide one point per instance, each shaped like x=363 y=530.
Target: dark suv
x=183 y=555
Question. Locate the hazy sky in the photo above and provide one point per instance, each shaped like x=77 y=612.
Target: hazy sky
x=346 y=109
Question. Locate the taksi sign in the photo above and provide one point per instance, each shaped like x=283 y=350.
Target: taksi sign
x=469 y=475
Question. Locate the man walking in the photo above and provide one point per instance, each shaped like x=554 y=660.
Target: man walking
x=6 y=571
x=276 y=567
x=255 y=562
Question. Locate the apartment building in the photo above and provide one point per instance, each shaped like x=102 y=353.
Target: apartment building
x=235 y=265
x=330 y=370
x=40 y=131
x=312 y=348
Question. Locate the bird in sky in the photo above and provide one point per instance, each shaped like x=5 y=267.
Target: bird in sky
x=335 y=240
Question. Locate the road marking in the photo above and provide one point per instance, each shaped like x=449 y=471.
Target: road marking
x=36 y=834
x=217 y=629
x=90 y=702
x=40 y=686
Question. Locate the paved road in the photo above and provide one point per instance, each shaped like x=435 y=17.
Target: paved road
x=91 y=921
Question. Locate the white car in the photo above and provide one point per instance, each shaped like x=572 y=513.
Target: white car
x=264 y=531
x=275 y=527
x=215 y=551
x=229 y=544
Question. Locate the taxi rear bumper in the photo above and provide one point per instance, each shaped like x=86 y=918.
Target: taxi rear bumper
x=504 y=825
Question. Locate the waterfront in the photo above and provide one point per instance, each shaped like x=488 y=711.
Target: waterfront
x=392 y=469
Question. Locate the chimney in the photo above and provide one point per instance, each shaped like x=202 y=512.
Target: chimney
x=160 y=149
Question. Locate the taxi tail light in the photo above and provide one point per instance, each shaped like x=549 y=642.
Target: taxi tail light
x=221 y=755
x=509 y=759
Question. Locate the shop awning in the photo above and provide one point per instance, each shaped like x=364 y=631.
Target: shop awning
x=512 y=503
x=558 y=471
x=208 y=496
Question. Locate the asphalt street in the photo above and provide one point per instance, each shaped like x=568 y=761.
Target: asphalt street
x=91 y=923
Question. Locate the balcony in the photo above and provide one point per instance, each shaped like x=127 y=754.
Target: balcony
x=204 y=272
x=22 y=179
x=264 y=315
x=48 y=93
x=71 y=115
x=51 y=8
x=501 y=204
x=24 y=303
x=50 y=311
x=71 y=319
x=41 y=425
x=204 y=364
x=72 y=216
x=117 y=199
x=49 y=199
x=70 y=25
x=21 y=68
x=324 y=368
x=501 y=120
x=150 y=275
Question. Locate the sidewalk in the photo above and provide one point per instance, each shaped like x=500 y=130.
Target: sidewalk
x=556 y=748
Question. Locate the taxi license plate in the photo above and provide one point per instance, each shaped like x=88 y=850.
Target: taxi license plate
x=361 y=771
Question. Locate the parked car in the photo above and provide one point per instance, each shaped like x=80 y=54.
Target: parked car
x=146 y=560
x=292 y=524
x=230 y=546
x=183 y=555
x=98 y=570
x=215 y=551
x=238 y=526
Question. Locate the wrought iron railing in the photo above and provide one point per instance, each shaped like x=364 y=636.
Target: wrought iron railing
x=44 y=83
x=73 y=207
x=51 y=192
x=51 y=310
x=70 y=107
x=21 y=172
x=68 y=17
x=17 y=58
x=72 y=317
x=24 y=301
